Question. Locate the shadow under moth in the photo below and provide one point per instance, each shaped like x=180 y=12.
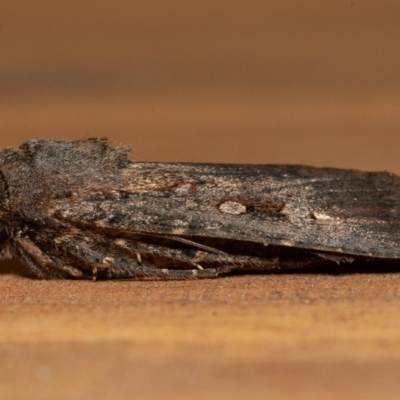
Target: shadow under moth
x=81 y=209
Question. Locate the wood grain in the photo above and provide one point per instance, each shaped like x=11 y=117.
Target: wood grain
x=288 y=336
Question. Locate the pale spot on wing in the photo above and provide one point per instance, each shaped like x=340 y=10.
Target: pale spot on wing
x=232 y=207
x=178 y=231
x=286 y=243
x=120 y=242
x=322 y=216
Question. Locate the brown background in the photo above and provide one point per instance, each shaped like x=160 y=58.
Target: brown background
x=311 y=82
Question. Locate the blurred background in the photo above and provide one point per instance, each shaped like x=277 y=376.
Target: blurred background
x=312 y=82
x=257 y=81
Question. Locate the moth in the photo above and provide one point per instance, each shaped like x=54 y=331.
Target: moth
x=81 y=209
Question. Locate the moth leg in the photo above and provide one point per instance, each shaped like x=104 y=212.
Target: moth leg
x=107 y=261
x=121 y=244
x=39 y=263
x=97 y=259
x=196 y=273
x=29 y=263
x=94 y=273
x=164 y=273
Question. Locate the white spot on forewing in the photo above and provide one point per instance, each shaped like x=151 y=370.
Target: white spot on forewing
x=232 y=207
x=178 y=231
x=183 y=189
x=120 y=242
x=178 y=223
x=322 y=216
x=286 y=243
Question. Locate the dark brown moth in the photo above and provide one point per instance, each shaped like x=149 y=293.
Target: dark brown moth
x=82 y=209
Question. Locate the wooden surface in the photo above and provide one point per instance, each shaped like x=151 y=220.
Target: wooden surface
x=265 y=336
x=287 y=81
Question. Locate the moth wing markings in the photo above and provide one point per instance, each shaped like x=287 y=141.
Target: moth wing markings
x=325 y=233
x=104 y=228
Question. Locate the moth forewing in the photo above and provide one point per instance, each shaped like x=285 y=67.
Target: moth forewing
x=81 y=209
